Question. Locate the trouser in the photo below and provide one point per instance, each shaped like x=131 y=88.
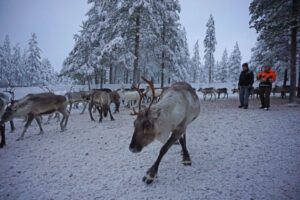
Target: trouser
x=244 y=95
x=264 y=95
x=2 y=132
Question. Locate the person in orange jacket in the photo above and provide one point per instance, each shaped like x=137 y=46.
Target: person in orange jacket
x=266 y=77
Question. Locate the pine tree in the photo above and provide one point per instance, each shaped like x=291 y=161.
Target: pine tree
x=47 y=73
x=223 y=68
x=196 y=63
x=6 y=61
x=33 y=65
x=17 y=66
x=210 y=44
x=235 y=63
x=277 y=22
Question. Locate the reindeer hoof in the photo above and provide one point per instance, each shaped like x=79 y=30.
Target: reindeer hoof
x=187 y=162
x=41 y=132
x=148 y=179
x=20 y=138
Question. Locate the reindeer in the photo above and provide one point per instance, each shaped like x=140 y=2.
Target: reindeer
x=206 y=91
x=115 y=98
x=235 y=90
x=2 y=126
x=166 y=121
x=149 y=95
x=220 y=91
x=254 y=92
x=101 y=100
x=8 y=97
x=34 y=105
x=282 y=90
x=129 y=97
x=77 y=97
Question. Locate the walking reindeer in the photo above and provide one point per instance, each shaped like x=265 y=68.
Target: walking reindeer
x=165 y=121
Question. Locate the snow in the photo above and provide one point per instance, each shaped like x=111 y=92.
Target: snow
x=236 y=154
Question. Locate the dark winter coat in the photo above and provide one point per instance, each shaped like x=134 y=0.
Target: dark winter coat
x=246 y=78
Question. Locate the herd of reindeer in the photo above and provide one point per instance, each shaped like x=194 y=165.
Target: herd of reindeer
x=160 y=112
x=33 y=106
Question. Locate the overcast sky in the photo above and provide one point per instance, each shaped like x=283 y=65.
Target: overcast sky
x=56 y=21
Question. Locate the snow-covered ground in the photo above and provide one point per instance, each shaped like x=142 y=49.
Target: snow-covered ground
x=236 y=154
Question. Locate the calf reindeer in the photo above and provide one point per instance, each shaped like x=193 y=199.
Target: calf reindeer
x=33 y=105
x=165 y=121
x=101 y=100
x=220 y=91
x=206 y=91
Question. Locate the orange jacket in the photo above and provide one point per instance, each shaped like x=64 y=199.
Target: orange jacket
x=266 y=76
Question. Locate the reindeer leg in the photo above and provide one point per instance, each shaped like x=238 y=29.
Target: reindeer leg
x=100 y=113
x=48 y=120
x=111 y=117
x=186 y=160
x=12 y=126
x=57 y=116
x=30 y=117
x=70 y=107
x=38 y=120
x=117 y=107
x=152 y=171
x=90 y=111
x=64 y=120
x=84 y=107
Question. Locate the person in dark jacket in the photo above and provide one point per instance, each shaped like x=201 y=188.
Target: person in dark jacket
x=245 y=85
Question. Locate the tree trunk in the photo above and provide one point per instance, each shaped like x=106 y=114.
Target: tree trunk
x=110 y=73
x=136 y=47
x=89 y=82
x=293 y=51
x=284 y=80
x=298 y=90
x=163 y=56
x=96 y=76
x=209 y=69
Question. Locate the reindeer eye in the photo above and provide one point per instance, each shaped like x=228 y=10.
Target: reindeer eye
x=147 y=125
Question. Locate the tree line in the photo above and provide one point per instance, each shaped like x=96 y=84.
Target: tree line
x=123 y=40
x=24 y=68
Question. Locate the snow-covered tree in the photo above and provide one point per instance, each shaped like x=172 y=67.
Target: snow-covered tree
x=47 y=73
x=277 y=22
x=128 y=39
x=6 y=61
x=182 y=70
x=222 y=72
x=234 y=63
x=196 y=63
x=33 y=64
x=18 y=68
x=210 y=47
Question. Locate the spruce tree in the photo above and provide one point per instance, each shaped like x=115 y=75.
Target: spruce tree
x=210 y=47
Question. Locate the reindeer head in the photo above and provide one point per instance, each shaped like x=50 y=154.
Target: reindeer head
x=144 y=125
x=9 y=112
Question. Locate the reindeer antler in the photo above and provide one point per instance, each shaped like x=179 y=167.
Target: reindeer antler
x=11 y=90
x=137 y=88
x=153 y=92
